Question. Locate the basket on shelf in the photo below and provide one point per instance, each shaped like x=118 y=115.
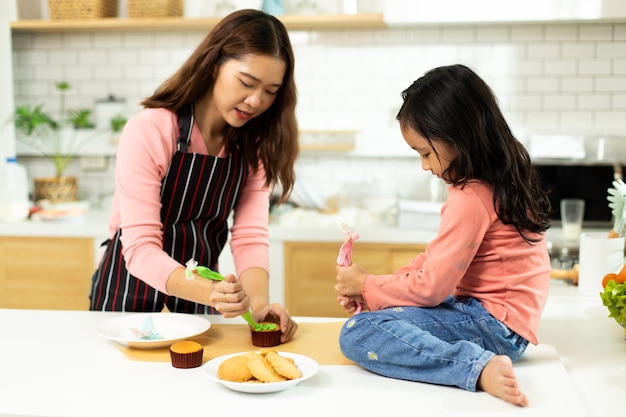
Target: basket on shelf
x=82 y=9
x=155 y=8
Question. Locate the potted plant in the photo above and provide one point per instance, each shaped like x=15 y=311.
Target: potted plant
x=59 y=140
x=116 y=124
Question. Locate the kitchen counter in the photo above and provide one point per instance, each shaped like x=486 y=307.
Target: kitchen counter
x=319 y=228
x=94 y=224
x=592 y=347
x=54 y=364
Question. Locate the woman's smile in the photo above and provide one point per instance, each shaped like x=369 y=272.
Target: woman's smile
x=242 y=114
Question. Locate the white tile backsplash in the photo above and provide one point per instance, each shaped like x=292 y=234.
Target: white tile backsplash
x=596 y=33
x=619 y=101
x=548 y=77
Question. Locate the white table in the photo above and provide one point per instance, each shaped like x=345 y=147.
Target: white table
x=590 y=345
x=52 y=363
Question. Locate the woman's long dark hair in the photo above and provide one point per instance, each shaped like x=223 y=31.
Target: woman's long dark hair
x=453 y=105
x=273 y=136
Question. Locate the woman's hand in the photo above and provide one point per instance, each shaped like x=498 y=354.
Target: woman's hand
x=276 y=313
x=228 y=297
x=231 y=300
x=273 y=313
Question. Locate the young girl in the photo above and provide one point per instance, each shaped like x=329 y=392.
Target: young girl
x=462 y=311
x=213 y=139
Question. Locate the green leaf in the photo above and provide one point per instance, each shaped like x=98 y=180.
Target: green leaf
x=117 y=123
x=28 y=119
x=62 y=86
x=80 y=118
x=614 y=298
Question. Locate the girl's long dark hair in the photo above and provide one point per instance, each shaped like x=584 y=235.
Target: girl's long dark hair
x=453 y=105
x=273 y=136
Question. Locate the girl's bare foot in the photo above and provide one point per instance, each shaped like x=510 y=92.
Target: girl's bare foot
x=498 y=379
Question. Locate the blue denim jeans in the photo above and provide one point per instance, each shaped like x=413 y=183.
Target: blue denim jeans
x=447 y=345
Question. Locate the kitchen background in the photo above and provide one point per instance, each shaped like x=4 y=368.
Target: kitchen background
x=565 y=77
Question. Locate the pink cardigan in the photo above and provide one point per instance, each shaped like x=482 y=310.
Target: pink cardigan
x=473 y=255
x=145 y=150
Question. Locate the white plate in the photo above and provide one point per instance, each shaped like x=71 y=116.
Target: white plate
x=307 y=366
x=74 y=211
x=172 y=326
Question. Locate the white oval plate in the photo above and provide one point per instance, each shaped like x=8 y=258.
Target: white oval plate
x=307 y=366
x=172 y=326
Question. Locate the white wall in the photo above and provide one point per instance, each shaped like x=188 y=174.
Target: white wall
x=560 y=77
x=7 y=148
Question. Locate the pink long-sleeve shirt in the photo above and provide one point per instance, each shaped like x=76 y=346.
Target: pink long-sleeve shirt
x=145 y=151
x=473 y=255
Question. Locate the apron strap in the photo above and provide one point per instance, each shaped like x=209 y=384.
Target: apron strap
x=185 y=123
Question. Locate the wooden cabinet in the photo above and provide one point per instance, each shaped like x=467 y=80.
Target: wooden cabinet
x=310 y=272
x=46 y=273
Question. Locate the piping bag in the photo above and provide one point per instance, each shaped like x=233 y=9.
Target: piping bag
x=192 y=267
x=345 y=252
x=617 y=202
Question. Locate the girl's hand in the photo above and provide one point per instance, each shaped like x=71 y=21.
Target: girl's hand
x=349 y=287
x=276 y=313
x=350 y=280
x=351 y=304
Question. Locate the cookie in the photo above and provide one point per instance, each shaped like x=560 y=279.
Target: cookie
x=262 y=370
x=283 y=366
x=235 y=369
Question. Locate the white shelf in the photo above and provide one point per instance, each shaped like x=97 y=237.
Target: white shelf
x=291 y=22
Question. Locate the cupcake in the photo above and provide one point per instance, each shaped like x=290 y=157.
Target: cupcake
x=186 y=354
x=267 y=336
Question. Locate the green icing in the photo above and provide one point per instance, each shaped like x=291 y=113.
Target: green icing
x=205 y=272
x=266 y=327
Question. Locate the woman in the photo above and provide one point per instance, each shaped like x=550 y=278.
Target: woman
x=214 y=138
x=460 y=313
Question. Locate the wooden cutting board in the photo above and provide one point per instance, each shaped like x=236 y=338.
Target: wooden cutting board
x=319 y=341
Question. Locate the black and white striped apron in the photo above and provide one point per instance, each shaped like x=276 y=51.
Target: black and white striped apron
x=198 y=193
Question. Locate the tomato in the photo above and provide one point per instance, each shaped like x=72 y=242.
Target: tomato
x=607 y=278
x=620 y=278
